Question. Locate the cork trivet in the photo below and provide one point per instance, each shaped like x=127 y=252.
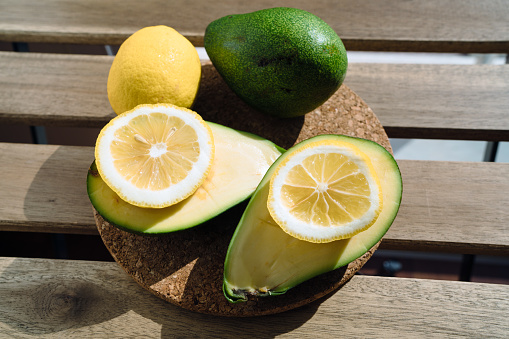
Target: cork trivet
x=186 y=267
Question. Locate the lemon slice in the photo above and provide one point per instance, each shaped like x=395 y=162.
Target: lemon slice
x=325 y=190
x=155 y=155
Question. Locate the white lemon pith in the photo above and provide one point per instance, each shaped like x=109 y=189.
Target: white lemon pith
x=325 y=191
x=155 y=155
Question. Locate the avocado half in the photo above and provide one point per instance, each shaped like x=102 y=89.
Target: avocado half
x=241 y=160
x=263 y=260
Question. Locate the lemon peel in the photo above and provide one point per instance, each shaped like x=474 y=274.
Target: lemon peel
x=154 y=65
x=155 y=155
x=324 y=191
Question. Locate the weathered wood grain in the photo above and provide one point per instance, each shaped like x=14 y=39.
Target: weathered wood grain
x=436 y=101
x=444 y=26
x=57 y=298
x=54 y=89
x=452 y=207
x=447 y=206
x=411 y=101
x=457 y=207
x=43 y=188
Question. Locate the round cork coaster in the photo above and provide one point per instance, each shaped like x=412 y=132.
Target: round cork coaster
x=186 y=267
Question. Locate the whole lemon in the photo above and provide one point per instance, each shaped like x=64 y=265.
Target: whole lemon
x=154 y=65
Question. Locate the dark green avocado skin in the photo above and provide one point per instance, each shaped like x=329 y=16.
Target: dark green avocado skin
x=281 y=61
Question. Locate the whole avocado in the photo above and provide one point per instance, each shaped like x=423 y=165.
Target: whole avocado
x=281 y=61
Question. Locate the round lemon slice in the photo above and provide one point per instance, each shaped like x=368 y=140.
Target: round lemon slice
x=324 y=190
x=155 y=155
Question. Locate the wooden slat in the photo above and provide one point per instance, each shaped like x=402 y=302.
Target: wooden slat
x=43 y=189
x=414 y=101
x=452 y=207
x=96 y=299
x=54 y=89
x=436 y=101
x=445 y=26
x=447 y=206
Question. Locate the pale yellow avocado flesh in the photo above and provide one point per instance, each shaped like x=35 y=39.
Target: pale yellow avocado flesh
x=241 y=160
x=264 y=260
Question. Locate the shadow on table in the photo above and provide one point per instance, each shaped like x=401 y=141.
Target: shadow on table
x=41 y=296
x=216 y=102
x=66 y=296
x=57 y=195
x=85 y=298
x=56 y=200
x=46 y=296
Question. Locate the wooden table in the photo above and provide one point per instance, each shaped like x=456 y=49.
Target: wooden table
x=455 y=207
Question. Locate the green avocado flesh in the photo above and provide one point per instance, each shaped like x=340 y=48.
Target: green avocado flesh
x=281 y=61
x=263 y=260
x=241 y=159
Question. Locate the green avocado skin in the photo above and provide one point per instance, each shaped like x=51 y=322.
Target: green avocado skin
x=281 y=61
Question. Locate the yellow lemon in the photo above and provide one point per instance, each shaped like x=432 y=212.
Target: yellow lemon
x=154 y=65
x=324 y=191
x=155 y=155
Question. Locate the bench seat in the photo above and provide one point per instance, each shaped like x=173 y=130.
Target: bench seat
x=97 y=299
x=454 y=207
x=411 y=101
x=458 y=26
x=45 y=192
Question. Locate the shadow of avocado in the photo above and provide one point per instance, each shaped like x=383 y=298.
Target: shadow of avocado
x=57 y=200
x=196 y=256
x=64 y=296
x=216 y=102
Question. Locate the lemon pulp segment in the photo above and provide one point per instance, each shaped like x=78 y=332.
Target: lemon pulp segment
x=325 y=191
x=155 y=155
x=155 y=151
